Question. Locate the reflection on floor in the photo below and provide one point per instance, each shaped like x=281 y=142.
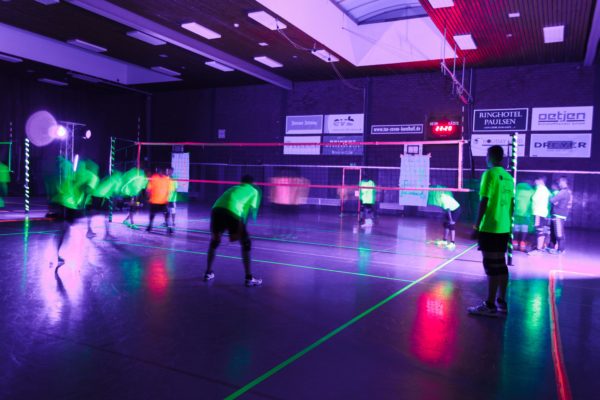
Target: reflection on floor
x=344 y=313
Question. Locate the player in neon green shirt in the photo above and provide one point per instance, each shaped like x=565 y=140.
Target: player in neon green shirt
x=4 y=180
x=540 y=206
x=230 y=213
x=493 y=227
x=523 y=210
x=367 y=201
x=447 y=202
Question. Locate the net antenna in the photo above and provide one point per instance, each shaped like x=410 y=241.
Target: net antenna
x=514 y=155
x=458 y=83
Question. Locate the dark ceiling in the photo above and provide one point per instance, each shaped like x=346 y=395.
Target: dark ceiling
x=486 y=20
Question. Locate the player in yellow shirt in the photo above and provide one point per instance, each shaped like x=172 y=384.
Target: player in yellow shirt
x=493 y=227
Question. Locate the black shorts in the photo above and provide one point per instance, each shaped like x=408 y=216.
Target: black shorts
x=221 y=220
x=70 y=215
x=452 y=216
x=493 y=242
x=158 y=208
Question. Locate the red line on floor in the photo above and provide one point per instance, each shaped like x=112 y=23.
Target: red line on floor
x=562 y=380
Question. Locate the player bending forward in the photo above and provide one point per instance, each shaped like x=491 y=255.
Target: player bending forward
x=230 y=213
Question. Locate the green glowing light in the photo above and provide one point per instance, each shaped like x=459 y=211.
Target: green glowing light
x=334 y=332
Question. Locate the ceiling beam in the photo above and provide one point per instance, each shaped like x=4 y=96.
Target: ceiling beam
x=135 y=21
x=594 y=39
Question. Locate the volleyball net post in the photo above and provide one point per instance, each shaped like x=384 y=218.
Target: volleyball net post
x=514 y=144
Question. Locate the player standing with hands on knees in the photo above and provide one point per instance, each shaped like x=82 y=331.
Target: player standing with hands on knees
x=493 y=230
x=230 y=213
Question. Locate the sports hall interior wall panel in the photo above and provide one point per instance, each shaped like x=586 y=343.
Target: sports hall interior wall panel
x=106 y=112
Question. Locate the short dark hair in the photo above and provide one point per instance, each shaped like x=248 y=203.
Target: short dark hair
x=248 y=179
x=496 y=153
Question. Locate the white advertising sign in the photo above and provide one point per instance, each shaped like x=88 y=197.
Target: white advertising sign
x=414 y=173
x=562 y=118
x=481 y=143
x=301 y=124
x=345 y=123
x=180 y=162
x=561 y=145
x=304 y=150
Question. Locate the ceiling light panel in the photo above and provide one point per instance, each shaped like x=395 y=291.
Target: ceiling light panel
x=269 y=62
x=48 y=2
x=554 y=34
x=325 y=55
x=166 y=71
x=11 y=59
x=441 y=3
x=465 y=42
x=267 y=20
x=86 y=45
x=219 y=66
x=53 y=82
x=201 y=30
x=146 y=38
x=514 y=14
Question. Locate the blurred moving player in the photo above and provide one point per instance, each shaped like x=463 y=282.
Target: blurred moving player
x=493 y=228
x=102 y=195
x=562 y=203
x=366 y=195
x=230 y=213
x=523 y=210
x=452 y=211
x=172 y=204
x=540 y=207
x=133 y=182
x=287 y=194
x=159 y=190
x=4 y=181
x=86 y=179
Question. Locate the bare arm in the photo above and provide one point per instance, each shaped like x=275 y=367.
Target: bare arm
x=482 y=208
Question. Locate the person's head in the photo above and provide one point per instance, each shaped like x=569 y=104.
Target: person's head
x=495 y=155
x=563 y=183
x=249 y=179
x=540 y=181
x=169 y=171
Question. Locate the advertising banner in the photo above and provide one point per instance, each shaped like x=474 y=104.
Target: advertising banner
x=480 y=143
x=402 y=129
x=500 y=120
x=303 y=124
x=306 y=150
x=344 y=123
x=346 y=147
x=562 y=118
x=414 y=173
x=552 y=145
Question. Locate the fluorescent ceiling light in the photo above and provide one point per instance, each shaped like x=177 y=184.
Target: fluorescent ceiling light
x=554 y=34
x=86 y=78
x=48 y=2
x=86 y=45
x=325 y=55
x=267 y=20
x=53 y=82
x=201 y=30
x=146 y=38
x=263 y=44
x=269 y=62
x=219 y=66
x=514 y=14
x=441 y=3
x=6 y=57
x=166 y=71
x=465 y=42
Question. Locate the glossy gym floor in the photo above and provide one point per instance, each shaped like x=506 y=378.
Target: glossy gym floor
x=344 y=313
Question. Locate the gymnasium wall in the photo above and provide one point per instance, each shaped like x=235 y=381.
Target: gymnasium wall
x=257 y=113
x=106 y=111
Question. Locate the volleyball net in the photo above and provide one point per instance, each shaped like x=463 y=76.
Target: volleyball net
x=307 y=172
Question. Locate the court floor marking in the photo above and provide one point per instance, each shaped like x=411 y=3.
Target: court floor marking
x=337 y=330
x=264 y=261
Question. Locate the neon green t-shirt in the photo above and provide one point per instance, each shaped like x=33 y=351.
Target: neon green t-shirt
x=240 y=200
x=523 y=200
x=367 y=196
x=540 y=201
x=4 y=173
x=498 y=186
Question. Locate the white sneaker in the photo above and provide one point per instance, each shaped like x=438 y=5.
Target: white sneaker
x=484 y=310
